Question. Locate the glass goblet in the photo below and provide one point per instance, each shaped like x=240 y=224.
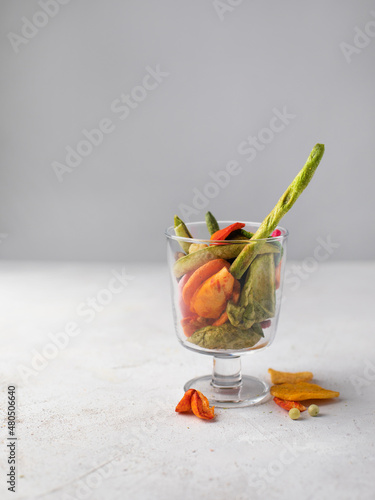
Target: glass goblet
x=218 y=322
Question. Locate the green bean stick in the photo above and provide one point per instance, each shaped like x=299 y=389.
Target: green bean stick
x=284 y=204
x=182 y=231
x=212 y=224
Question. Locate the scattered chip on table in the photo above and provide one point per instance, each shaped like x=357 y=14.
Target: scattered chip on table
x=302 y=391
x=286 y=377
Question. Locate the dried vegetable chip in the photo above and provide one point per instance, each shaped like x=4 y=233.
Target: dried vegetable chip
x=289 y=378
x=185 y=403
x=198 y=277
x=302 y=391
x=201 y=406
x=288 y=405
x=194 y=400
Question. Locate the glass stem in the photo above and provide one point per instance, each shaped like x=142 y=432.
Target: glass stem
x=227 y=373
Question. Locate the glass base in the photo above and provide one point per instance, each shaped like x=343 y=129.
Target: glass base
x=249 y=391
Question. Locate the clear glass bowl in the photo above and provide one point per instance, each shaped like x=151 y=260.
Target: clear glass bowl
x=248 y=309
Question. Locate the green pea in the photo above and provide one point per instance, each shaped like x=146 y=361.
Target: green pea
x=294 y=413
x=313 y=410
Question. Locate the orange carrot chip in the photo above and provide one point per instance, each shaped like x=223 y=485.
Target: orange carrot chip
x=185 y=403
x=198 y=403
x=288 y=405
x=289 y=378
x=223 y=319
x=302 y=391
x=201 y=407
x=200 y=275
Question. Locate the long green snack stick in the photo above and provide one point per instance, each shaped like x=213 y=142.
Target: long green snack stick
x=181 y=230
x=212 y=224
x=284 y=204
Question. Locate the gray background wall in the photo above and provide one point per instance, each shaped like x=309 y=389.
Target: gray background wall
x=225 y=77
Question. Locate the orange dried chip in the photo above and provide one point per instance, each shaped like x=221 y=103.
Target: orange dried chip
x=302 y=391
x=200 y=275
x=288 y=405
x=196 y=401
x=201 y=406
x=185 y=403
x=222 y=319
x=289 y=378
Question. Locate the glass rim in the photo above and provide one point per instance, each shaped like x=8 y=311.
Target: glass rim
x=169 y=234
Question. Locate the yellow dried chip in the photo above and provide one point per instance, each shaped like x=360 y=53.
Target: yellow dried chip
x=302 y=391
x=289 y=378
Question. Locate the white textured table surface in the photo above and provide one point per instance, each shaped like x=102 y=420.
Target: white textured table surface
x=97 y=420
